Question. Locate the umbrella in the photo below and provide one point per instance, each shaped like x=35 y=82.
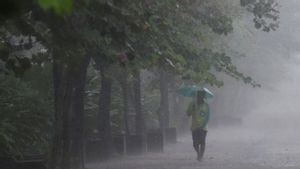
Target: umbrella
x=191 y=91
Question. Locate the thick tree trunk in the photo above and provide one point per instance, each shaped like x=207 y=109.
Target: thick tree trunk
x=68 y=102
x=104 y=126
x=164 y=100
x=60 y=157
x=78 y=115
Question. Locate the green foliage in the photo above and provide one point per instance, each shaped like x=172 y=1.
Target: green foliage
x=17 y=50
x=266 y=13
x=59 y=6
x=174 y=37
x=153 y=32
x=24 y=117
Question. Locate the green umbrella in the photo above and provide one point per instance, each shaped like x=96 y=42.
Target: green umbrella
x=191 y=91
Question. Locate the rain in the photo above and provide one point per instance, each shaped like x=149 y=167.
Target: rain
x=151 y=84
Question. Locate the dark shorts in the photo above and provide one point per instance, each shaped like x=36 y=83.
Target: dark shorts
x=199 y=136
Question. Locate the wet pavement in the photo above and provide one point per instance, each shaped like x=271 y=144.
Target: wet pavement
x=226 y=149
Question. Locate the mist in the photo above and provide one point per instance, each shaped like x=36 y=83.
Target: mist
x=273 y=61
x=138 y=85
x=265 y=119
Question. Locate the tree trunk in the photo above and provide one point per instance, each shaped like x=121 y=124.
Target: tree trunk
x=57 y=137
x=140 y=126
x=78 y=115
x=139 y=118
x=104 y=126
x=124 y=86
x=164 y=100
x=68 y=103
x=173 y=108
x=60 y=156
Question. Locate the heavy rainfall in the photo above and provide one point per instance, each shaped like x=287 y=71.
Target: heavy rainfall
x=149 y=84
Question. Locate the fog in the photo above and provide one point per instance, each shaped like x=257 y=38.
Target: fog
x=262 y=123
x=272 y=59
x=120 y=110
x=250 y=127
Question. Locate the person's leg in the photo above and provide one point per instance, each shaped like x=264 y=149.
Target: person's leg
x=196 y=146
x=202 y=150
x=202 y=143
x=196 y=143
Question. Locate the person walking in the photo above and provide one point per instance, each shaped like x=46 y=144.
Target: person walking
x=199 y=111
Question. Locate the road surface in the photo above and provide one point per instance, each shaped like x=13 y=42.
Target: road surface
x=226 y=149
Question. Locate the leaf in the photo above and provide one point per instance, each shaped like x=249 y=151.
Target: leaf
x=60 y=7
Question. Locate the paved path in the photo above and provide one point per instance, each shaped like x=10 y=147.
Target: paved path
x=226 y=149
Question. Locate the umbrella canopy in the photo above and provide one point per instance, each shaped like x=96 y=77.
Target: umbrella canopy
x=191 y=91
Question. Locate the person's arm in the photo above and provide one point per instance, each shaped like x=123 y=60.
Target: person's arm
x=207 y=115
